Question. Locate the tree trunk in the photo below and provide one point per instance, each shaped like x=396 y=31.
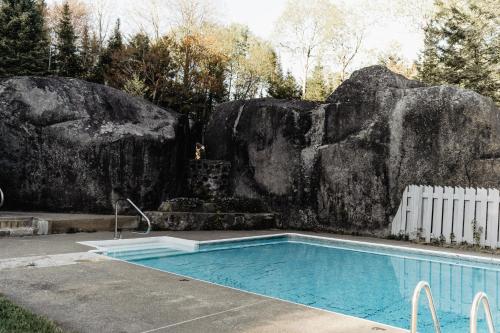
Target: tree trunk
x=306 y=72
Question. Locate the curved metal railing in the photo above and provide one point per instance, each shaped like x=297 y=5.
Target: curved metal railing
x=481 y=298
x=414 y=307
x=138 y=210
x=2 y=198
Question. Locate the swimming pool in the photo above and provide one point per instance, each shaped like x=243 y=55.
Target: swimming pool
x=364 y=280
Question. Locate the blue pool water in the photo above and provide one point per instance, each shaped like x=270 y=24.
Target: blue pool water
x=365 y=282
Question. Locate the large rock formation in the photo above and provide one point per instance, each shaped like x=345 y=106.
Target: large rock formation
x=343 y=165
x=70 y=145
x=272 y=145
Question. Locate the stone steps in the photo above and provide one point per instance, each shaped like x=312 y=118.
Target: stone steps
x=17 y=232
x=22 y=226
x=7 y=223
x=43 y=224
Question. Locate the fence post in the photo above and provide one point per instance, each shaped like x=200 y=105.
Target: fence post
x=492 y=218
x=481 y=205
x=437 y=213
x=427 y=198
x=447 y=213
x=458 y=214
x=469 y=213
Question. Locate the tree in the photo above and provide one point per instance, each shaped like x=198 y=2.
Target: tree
x=80 y=15
x=317 y=90
x=392 y=59
x=462 y=44
x=191 y=16
x=101 y=12
x=67 y=58
x=147 y=69
x=304 y=28
x=282 y=86
x=255 y=65
x=234 y=43
x=104 y=70
x=201 y=75
x=86 y=56
x=115 y=42
x=135 y=86
x=24 y=46
x=346 y=43
x=149 y=14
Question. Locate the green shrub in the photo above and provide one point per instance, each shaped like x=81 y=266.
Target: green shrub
x=14 y=319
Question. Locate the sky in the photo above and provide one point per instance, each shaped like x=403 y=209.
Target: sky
x=261 y=16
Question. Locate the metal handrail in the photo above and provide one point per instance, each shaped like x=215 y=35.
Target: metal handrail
x=481 y=297
x=414 y=307
x=138 y=210
x=1 y=198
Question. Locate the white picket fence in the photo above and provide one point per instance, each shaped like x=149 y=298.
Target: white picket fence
x=434 y=212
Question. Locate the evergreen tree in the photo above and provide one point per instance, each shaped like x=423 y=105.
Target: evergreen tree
x=116 y=41
x=67 y=58
x=280 y=86
x=92 y=71
x=139 y=43
x=103 y=72
x=86 y=52
x=135 y=86
x=462 y=47
x=24 y=46
x=316 y=85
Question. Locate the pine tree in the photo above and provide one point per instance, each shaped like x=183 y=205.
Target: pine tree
x=116 y=41
x=103 y=72
x=23 y=38
x=462 y=48
x=283 y=87
x=86 y=52
x=67 y=59
x=316 y=85
x=93 y=73
x=140 y=45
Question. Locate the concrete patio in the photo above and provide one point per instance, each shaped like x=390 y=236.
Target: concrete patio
x=55 y=276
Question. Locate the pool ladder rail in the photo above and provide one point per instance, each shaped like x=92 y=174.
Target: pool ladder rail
x=480 y=298
x=1 y=198
x=414 y=307
x=117 y=234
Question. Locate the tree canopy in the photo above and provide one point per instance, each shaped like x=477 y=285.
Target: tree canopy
x=462 y=46
x=23 y=38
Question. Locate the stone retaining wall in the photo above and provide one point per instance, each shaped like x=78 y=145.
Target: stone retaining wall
x=179 y=221
x=209 y=178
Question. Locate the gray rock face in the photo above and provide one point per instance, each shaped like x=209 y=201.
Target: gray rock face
x=70 y=145
x=343 y=165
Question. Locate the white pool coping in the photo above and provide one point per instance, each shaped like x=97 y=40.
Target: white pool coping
x=193 y=245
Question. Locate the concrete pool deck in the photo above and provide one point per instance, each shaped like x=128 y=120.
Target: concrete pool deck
x=55 y=276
